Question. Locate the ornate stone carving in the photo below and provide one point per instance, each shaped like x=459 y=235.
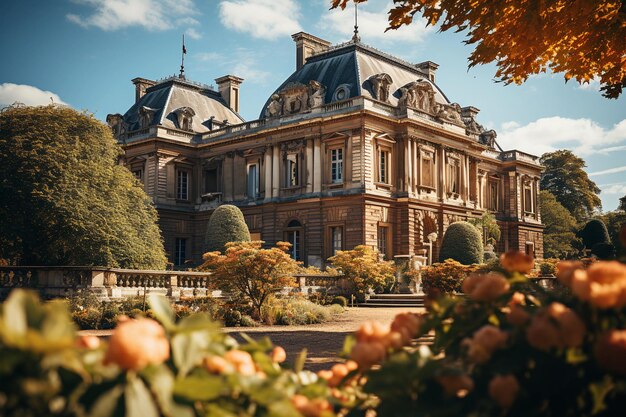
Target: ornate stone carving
x=117 y=124
x=146 y=115
x=316 y=94
x=488 y=138
x=293 y=146
x=419 y=95
x=451 y=113
x=184 y=117
x=296 y=98
x=381 y=83
x=275 y=107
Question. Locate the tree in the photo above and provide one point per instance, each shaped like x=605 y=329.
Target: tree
x=580 y=38
x=614 y=221
x=558 y=237
x=226 y=224
x=488 y=225
x=566 y=179
x=622 y=204
x=363 y=268
x=463 y=243
x=250 y=271
x=65 y=200
x=594 y=232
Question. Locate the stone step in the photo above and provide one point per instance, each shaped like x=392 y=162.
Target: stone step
x=394 y=301
x=398 y=296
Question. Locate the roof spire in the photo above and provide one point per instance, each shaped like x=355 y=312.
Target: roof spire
x=356 y=37
x=182 y=61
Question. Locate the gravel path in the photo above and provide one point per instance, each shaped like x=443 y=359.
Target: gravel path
x=322 y=341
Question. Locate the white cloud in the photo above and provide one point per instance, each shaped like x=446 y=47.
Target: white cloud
x=593 y=85
x=582 y=136
x=207 y=56
x=372 y=24
x=193 y=34
x=266 y=19
x=27 y=94
x=608 y=171
x=150 y=14
x=617 y=188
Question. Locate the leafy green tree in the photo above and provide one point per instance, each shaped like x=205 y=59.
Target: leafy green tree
x=463 y=243
x=594 y=232
x=622 y=204
x=566 y=179
x=226 y=224
x=559 y=238
x=488 y=225
x=65 y=200
x=614 y=221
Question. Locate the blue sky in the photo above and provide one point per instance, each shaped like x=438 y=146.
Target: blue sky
x=85 y=52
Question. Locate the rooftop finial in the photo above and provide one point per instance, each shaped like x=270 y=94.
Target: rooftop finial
x=356 y=37
x=182 y=62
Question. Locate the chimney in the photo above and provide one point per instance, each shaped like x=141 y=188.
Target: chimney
x=141 y=84
x=429 y=68
x=229 y=89
x=307 y=45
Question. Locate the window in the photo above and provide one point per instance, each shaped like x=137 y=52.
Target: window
x=428 y=171
x=530 y=249
x=180 y=252
x=211 y=181
x=253 y=181
x=493 y=197
x=383 y=166
x=255 y=236
x=336 y=165
x=182 y=185
x=383 y=240
x=292 y=171
x=138 y=173
x=293 y=235
x=454 y=176
x=528 y=199
x=336 y=239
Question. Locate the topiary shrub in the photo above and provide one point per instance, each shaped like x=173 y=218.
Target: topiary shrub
x=226 y=225
x=489 y=255
x=462 y=242
x=603 y=251
x=594 y=232
x=340 y=300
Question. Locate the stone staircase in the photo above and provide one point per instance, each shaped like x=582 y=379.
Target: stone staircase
x=394 y=300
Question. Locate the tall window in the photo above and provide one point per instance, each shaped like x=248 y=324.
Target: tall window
x=292 y=171
x=211 y=181
x=182 y=185
x=528 y=199
x=454 y=176
x=180 y=251
x=336 y=239
x=253 y=181
x=293 y=235
x=383 y=240
x=383 y=166
x=336 y=165
x=428 y=171
x=493 y=196
x=138 y=173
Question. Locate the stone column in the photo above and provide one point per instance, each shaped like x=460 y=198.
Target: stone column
x=276 y=172
x=268 y=173
x=317 y=165
x=309 y=166
x=416 y=168
x=408 y=168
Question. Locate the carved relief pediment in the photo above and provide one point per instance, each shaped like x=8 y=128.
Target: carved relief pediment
x=380 y=86
x=419 y=95
x=184 y=117
x=450 y=113
x=293 y=146
x=117 y=124
x=296 y=98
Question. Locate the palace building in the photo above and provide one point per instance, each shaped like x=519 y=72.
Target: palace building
x=355 y=147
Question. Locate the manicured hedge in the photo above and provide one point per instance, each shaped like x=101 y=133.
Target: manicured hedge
x=462 y=242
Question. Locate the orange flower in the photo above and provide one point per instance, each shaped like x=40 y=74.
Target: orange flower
x=555 y=326
x=603 y=284
x=514 y=261
x=310 y=408
x=88 y=342
x=366 y=354
x=485 y=342
x=456 y=385
x=503 y=389
x=485 y=287
x=517 y=315
x=136 y=344
x=217 y=365
x=610 y=351
x=565 y=271
x=242 y=361
x=278 y=354
x=371 y=331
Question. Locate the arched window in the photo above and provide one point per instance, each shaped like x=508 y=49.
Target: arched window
x=294 y=234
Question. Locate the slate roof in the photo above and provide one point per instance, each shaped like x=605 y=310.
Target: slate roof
x=352 y=64
x=173 y=93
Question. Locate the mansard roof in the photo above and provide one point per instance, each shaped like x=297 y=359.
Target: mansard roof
x=168 y=96
x=349 y=67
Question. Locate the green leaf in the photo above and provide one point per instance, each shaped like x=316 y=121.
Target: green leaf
x=300 y=361
x=106 y=404
x=139 y=402
x=199 y=388
x=162 y=309
x=282 y=409
x=188 y=349
x=599 y=391
x=14 y=320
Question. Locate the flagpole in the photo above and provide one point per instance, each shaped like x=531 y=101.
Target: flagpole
x=182 y=60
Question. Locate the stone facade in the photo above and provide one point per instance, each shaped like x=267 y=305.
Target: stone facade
x=356 y=147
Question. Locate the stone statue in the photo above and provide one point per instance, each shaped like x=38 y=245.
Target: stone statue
x=488 y=138
x=381 y=83
x=419 y=95
x=451 y=113
x=275 y=107
x=316 y=94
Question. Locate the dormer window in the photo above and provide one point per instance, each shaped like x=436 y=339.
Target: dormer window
x=184 y=116
x=146 y=115
x=381 y=83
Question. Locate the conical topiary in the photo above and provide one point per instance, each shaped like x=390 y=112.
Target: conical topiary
x=594 y=232
x=462 y=242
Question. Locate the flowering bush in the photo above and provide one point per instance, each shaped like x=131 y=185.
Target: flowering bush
x=181 y=368
x=509 y=348
x=445 y=277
